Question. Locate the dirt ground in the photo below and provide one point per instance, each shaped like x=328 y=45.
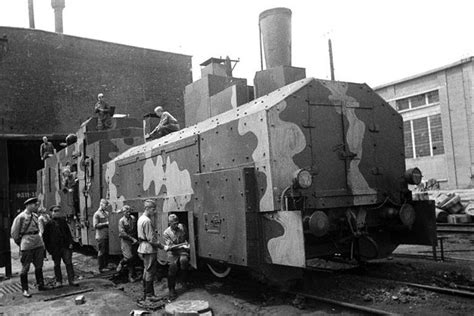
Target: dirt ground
x=241 y=295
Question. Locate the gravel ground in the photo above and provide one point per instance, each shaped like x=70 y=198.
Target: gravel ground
x=368 y=285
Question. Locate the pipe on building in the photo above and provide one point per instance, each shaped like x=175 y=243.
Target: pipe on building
x=31 y=14
x=58 y=6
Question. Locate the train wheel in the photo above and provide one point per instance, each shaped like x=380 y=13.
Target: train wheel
x=220 y=270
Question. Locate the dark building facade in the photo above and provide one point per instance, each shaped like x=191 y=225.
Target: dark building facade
x=49 y=81
x=49 y=84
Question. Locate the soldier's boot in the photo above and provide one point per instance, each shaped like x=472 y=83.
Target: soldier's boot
x=24 y=285
x=40 y=280
x=145 y=290
x=70 y=275
x=184 y=280
x=131 y=272
x=171 y=287
x=120 y=266
x=151 y=292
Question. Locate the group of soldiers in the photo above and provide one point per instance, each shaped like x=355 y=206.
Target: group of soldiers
x=167 y=124
x=140 y=239
x=35 y=234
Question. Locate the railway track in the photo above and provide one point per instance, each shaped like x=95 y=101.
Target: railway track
x=455 y=228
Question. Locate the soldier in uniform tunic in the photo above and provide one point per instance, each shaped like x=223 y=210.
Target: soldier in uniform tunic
x=178 y=252
x=100 y=221
x=127 y=227
x=58 y=240
x=25 y=233
x=104 y=113
x=148 y=248
x=167 y=124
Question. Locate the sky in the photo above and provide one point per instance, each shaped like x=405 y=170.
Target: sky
x=375 y=42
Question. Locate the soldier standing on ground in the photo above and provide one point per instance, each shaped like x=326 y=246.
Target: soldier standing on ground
x=167 y=124
x=46 y=149
x=25 y=233
x=178 y=253
x=148 y=248
x=101 y=225
x=127 y=227
x=104 y=113
x=43 y=218
x=58 y=241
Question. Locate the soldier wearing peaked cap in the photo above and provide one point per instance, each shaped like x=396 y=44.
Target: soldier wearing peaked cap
x=58 y=241
x=25 y=233
x=127 y=227
x=178 y=252
x=148 y=248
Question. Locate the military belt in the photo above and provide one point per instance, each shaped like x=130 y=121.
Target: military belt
x=31 y=233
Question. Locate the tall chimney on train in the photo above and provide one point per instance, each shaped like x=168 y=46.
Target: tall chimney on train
x=58 y=6
x=275 y=33
x=31 y=14
x=275 y=38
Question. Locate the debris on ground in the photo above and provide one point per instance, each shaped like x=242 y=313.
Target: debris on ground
x=188 y=307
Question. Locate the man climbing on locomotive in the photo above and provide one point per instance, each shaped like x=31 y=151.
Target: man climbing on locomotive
x=167 y=124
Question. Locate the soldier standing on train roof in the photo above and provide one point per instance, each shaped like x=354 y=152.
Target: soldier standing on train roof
x=104 y=113
x=25 y=233
x=167 y=124
x=127 y=228
x=178 y=253
x=46 y=149
x=101 y=224
x=148 y=248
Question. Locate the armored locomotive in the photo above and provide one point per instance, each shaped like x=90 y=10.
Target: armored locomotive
x=310 y=169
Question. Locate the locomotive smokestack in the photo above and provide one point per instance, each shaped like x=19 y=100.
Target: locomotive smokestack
x=58 y=6
x=31 y=14
x=275 y=37
x=275 y=33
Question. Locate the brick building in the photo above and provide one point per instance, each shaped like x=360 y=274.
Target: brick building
x=49 y=84
x=437 y=109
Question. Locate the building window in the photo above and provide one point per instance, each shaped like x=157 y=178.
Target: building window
x=436 y=134
x=408 y=139
x=416 y=101
x=423 y=137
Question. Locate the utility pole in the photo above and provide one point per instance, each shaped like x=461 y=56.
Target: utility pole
x=331 y=61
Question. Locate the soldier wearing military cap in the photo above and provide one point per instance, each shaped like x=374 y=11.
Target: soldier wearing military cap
x=25 y=233
x=178 y=252
x=58 y=240
x=100 y=221
x=148 y=248
x=127 y=227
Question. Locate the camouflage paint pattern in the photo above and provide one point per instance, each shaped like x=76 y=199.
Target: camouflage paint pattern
x=87 y=154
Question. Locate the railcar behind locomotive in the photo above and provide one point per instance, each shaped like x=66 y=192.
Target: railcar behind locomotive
x=310 y=169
